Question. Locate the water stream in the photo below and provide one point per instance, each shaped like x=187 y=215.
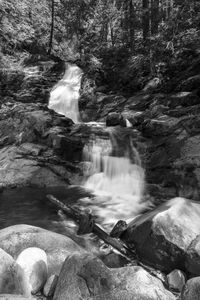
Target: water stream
x=115 y=176
x=64 y=96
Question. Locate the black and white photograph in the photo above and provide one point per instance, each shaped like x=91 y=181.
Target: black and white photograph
x=100 y=149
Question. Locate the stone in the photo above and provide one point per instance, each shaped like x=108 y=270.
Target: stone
x=15 y=239
x=193 y=256
x=114 y=119
x=33 y=266
x=191 y=290
x=190 y=84
x=8 y=270
x=15 y=297
x=50 y=285
x=176 y=280
x=86 y=277
x=163 y=236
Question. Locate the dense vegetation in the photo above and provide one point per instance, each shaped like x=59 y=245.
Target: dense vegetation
x=118 y=38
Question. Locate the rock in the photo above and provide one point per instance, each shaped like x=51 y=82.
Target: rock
x=15 y=239
x=8 y=269
x=86 y=277
x=14 y=297
x=191 y=290
x=190 y=84
x=183 y=99
x=18 y=170
x=50 y=285
x=114 y=119
x=34 y=143
x=157 y=243
x=193 y=256
x=176 y=280
x=33 y=263
x=152 y=84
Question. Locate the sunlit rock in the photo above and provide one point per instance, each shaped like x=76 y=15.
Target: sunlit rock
x=163 y=236
x=33 y=267
x=86 y=277
x=15 y=239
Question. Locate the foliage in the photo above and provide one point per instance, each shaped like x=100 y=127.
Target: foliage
x=120 y=39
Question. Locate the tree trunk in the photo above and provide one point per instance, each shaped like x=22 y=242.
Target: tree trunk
x=145 y=20
x=154 y=16
x=131 y=25
x=52 y=27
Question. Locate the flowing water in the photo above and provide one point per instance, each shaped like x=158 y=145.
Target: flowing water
x=64 y=96
x=115 y=175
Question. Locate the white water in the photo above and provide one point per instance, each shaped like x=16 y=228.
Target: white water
x=64 y=96
x=117 y=182
x=115 y=174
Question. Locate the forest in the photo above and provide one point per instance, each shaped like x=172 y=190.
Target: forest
x=119 y=38
x=100 y=149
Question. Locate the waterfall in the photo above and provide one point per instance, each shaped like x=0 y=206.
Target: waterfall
x=64 y=96
x=116 y=176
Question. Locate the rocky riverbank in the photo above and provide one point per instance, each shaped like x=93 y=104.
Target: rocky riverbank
x=38 y=263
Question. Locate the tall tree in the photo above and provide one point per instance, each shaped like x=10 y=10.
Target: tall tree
x=145 y=20
x=52 y=26
x=131 y=25
x=154 y=16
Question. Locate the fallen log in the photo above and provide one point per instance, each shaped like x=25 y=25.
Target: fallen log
x=87 y=225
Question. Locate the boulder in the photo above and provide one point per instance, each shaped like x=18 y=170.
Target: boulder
x=33 y=267
x=193 y=256
x=15 y=297
x=191 y=290
x=163 y=236
x=50 y=285
x=190 y=84
x=8 y=269
x=176 y=280
x=86 y=277
x=114 y=119
x=15 y=239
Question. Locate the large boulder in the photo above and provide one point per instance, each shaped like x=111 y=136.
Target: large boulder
x=162 y=237
x=191 y=290
x=86 y=277
x=32 y=272
x=15 y=239
x=8 y=269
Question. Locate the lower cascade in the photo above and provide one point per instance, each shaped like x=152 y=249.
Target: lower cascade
x=64 y=96
x=116 y=176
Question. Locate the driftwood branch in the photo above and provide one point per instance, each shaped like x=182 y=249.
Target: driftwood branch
x=83 y=219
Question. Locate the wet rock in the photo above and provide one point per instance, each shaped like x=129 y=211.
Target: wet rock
x=176 y=280
x=114 y=119
x=183 y=99
x=33 y=267
x=15 y=239
x=190 y=84
x=35 y=144
x=8 y=270
x=191 y=290
x=159 y=244
x=86 y=277
x=50 y=286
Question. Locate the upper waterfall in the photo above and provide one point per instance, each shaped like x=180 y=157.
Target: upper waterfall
x=64 y=96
